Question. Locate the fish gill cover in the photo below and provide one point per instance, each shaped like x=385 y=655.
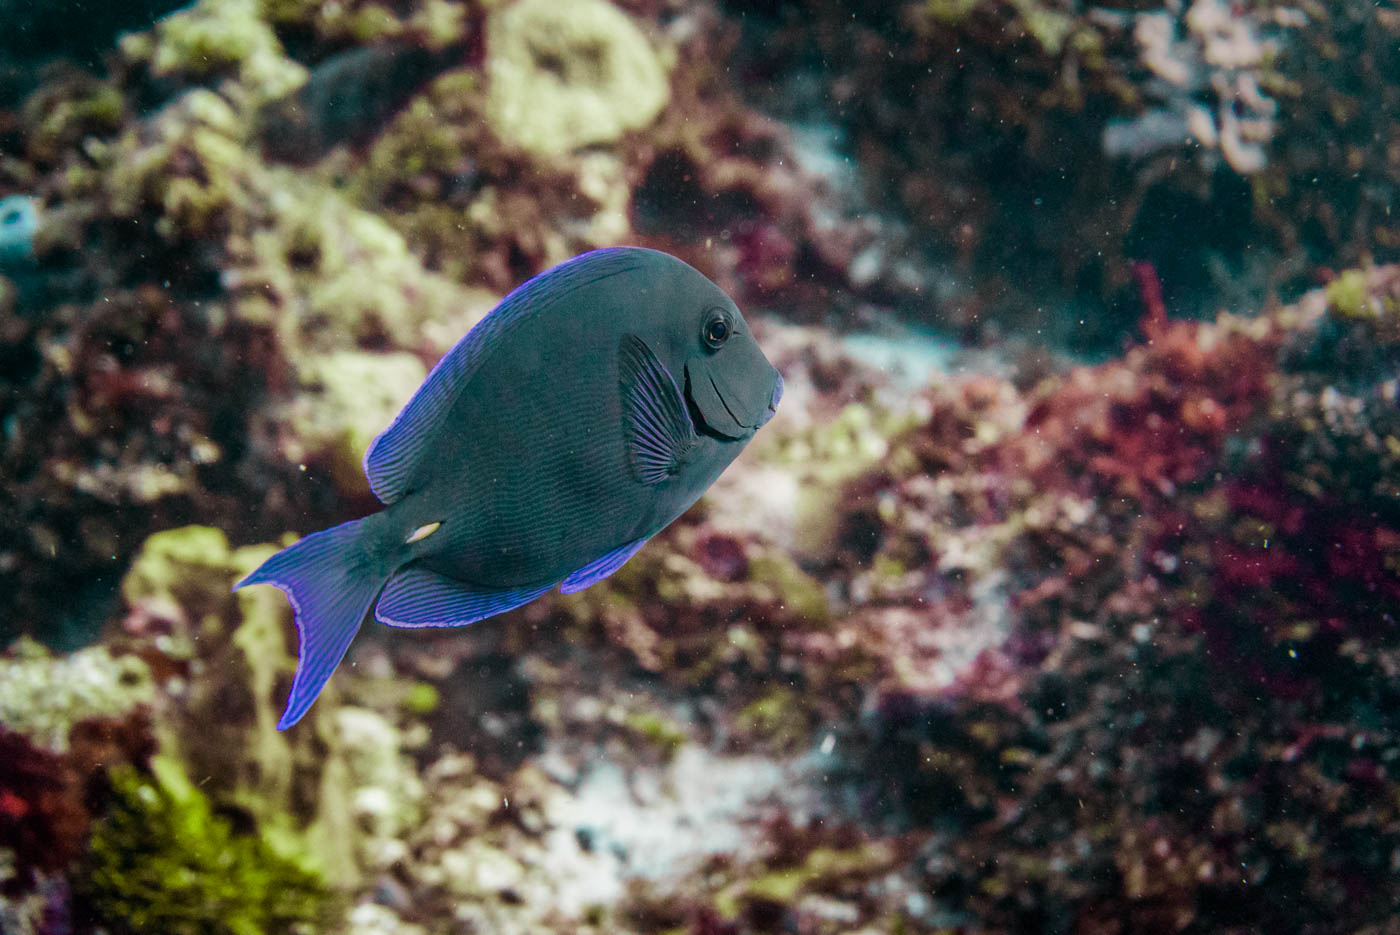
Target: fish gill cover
x=1060 y=595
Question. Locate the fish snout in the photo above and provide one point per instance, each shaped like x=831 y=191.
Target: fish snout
x=773 y=401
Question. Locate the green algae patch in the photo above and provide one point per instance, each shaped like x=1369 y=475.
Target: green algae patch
x=172 y=571
x=163 y=860
x=66 y=115
x=345 y=275
x=189 y=169
x=422 y=698
x=1348 y=296
x=1049 y=27
x=433 y=23
x=218 y=38
x=42 y=696
x=662 y=733
x=782 y=717
x=826 y=458
x=1369 y=297
x=224 y=726
x=237 y=648
x=351 y=396
x=338 y=791
x=564 y=76
x=823 y=868
x=798 y=592
x=949 y=11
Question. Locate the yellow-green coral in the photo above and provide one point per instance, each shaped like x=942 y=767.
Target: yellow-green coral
x=781 y=717
x=387 y=795
x=69 y=113
x=340 y=787
x=826 y=457
x=219 y=37
x=190 y=168
x=1049 y=27
x=564 y=76
x=656 y=729
x=42 y=695
x=1348 y=295
x=345 y=276
x=162 y=860
x=351 y=396
x=238 y=650
x=1368 y=296
x=823 y=867
x=185 y=576
x=434 y=23
x=949 y=11
x=798 y=592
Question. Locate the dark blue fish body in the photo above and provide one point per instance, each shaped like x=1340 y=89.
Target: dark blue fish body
x=582 y=416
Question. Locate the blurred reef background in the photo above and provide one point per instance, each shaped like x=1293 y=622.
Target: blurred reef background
x=1060 y=597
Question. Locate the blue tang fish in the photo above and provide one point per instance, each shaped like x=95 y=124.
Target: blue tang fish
x=578 y=419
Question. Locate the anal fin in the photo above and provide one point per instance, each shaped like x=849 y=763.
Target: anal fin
x=417 y=597
x=600 y=568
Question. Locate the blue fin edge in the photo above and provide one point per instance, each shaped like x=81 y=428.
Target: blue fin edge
x=417 y=597
x=330 y=594
x=600 y=568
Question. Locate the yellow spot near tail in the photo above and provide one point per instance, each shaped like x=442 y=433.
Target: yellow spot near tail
x=422 y=532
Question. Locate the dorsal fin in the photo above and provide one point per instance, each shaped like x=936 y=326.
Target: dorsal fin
x=397 y=451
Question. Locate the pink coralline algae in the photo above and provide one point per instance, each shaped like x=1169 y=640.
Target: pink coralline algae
x=1204 y=582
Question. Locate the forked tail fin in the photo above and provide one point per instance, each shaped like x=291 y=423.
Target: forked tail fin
x=331 y=586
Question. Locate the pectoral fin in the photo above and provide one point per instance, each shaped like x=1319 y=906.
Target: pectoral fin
x=656 y=427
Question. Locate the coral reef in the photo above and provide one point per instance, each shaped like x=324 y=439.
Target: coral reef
x=1123 y=125
x=43 y=697
x=47 y=802
x=977 y=636
x=43 y=818
x=1186 y=558
x=162 y=860
x=568 y=76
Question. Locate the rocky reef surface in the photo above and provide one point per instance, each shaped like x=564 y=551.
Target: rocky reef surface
x=1060 y=596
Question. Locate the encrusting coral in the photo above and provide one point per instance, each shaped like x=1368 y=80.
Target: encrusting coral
x=564 y=76
x=43 y=697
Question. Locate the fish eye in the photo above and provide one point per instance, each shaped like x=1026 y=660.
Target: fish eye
x=717 y=329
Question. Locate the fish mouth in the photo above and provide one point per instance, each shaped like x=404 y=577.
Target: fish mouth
x=708 y=409
x=773 y=400
x=725 y=403
x=740 y=389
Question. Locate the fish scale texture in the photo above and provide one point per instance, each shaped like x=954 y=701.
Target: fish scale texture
x=530 y=468
x=392 y=459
